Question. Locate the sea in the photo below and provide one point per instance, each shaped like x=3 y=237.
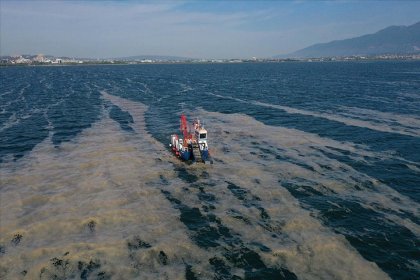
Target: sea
x=315 y=174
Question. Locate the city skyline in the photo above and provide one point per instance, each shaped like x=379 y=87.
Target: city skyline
x=216 y=29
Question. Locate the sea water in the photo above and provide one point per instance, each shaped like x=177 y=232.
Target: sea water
x=316 y=172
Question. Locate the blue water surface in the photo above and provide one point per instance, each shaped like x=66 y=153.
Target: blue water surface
x=61 y=102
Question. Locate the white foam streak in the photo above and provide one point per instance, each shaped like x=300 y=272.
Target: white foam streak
x=406 y=125
x=113 y=178
x=407 y=121
x=304 y=151
x=105 y=177
x=307 y=248
x=12 y=121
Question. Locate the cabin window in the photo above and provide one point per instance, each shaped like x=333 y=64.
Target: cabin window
x=203 y=135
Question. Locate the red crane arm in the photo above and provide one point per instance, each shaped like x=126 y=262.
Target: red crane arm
x=184 y=126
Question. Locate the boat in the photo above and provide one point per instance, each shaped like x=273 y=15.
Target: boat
x=193 y=146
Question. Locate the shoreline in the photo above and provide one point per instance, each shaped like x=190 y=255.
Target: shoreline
x=210 y=62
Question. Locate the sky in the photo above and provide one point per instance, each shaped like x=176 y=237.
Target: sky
x=196 y=29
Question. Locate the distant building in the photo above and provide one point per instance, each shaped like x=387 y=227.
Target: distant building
x=22 y=60
x=39 y=58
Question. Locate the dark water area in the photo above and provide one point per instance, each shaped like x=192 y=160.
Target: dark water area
x=316 y=172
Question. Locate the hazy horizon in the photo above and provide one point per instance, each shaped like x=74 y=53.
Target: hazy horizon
x=204 y=29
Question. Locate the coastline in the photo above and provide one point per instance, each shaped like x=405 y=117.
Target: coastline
x=212 y=62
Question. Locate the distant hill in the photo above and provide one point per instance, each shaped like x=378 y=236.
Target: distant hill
x=153 y=57
x=391 y=40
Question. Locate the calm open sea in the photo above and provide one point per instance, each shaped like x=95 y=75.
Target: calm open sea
x=316 y=172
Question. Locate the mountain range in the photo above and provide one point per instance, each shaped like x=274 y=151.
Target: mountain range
x=391 y=40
